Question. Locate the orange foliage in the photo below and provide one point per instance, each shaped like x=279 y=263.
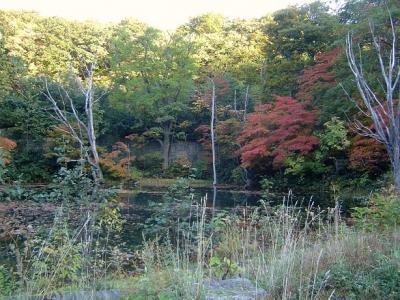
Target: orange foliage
x=116 y=162
x=7 y=145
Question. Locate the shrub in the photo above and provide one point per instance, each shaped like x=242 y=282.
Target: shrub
x=383 y=211
x=173 y=211
x=181 y=167
x=6 y=284
x=381 y=280
x=150 y=164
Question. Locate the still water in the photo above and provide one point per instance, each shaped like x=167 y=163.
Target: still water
x=135 y=208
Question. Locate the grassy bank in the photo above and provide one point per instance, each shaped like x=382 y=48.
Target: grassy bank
x=196 y=183
x=291 y=252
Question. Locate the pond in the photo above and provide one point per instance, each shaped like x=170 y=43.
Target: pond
x=136 y=204
x=135 y=209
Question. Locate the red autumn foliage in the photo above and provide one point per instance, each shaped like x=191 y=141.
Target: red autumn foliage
x=318 y=74
x=276 y=130
x=367 y=155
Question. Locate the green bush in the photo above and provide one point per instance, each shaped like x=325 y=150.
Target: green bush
x=172 y=212
x=6 y=284
x=176 y=170
x=150 y=164
x=136 y=174
x=378 y=281
x=237 y=176
x=383 y=211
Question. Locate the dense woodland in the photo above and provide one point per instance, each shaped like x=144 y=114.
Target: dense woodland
x=285 y=96
x=303 y=100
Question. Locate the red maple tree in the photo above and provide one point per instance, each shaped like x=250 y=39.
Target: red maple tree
x=318 y=75
x=368 y=155
x=276 y=130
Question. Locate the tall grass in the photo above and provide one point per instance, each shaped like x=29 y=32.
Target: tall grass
x=71 y=255
x=290 y=251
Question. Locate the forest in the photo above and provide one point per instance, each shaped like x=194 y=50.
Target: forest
x=254 y=158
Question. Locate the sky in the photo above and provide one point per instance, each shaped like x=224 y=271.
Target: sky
x=163 y=14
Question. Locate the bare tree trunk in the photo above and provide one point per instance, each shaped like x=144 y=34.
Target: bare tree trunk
x=212 y=132
x=89 y=102
x=246 y=103
x=383 y=111
x=78 y=127
x=213 y=144
x=395 y=162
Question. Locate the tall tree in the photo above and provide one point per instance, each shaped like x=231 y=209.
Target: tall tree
x=154 y=80
x=296 y=35
x=380 y=104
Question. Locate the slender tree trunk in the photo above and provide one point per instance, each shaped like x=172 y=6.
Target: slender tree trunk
x=212 y=132
x=89 y=102
x=396 y=166
x=246 y=102
x=93 y=146
x=396 y=174
x=213 y=145
x=234 y=102
x=166 y=145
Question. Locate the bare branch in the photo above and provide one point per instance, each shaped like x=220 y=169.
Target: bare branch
x=83 y=132
x=383 y=112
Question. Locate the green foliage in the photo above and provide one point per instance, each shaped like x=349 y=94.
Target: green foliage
x=301 y=166
x=154 y=79
x=149 y=163
x=75 y=252
x=378 y=281
x=267 y=186
x=69 y=186
x=173 y=214
x=382 y=211
x=333 y=144
x=135 y=174
x=181 y=167
x=334 y=137
x=223 y=268
x=6 y=283
x=238 y=176
x=57 y=258
x=296 y=35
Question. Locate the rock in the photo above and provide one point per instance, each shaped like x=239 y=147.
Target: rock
x=99 y=295
x=232 y=289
